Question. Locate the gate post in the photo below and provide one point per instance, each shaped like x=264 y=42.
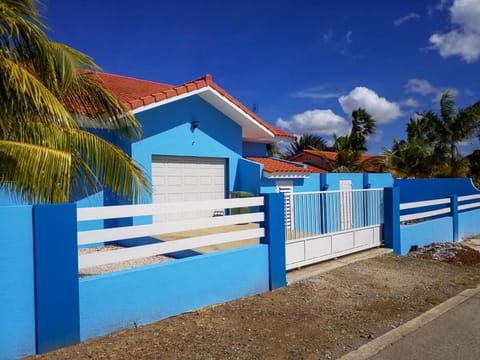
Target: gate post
x=275 y=239
x=56 y=276
x=391 y=219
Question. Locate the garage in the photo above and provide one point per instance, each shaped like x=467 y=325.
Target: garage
x=180 y=178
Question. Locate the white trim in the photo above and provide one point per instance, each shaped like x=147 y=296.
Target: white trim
x=235 y=107
x=469 y=197
x=223 y=104
x=468 y=206
x=417 y=204
x=424 y=214
x=286 y=175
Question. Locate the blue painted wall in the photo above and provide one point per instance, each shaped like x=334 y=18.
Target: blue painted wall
x=167 y=131
x=311 y=183
x=139 y=296
x=17 y=286
x=425 y=233
x=333 y=180
x=468 y=223
x=428 y=189
x=377 y=180
x=254 y=149
x=249 y=175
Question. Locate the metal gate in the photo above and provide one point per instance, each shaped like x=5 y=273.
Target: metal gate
x=328 y=224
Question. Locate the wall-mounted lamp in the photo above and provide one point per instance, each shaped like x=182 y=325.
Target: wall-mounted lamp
x=368 y=186
x=325 y=187
x=194 y=125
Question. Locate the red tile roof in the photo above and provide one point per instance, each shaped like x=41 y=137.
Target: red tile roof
x=135 y=93
x=331 y=155
x=315 y=169
x=274 y=165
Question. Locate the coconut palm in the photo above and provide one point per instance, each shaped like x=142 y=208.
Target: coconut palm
x=50 y=98
x=306 y=141
x=431 y=146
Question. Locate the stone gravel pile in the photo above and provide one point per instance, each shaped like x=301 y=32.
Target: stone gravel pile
x=455 y=253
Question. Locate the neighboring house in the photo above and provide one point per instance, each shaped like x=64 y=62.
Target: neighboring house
x=322 y=162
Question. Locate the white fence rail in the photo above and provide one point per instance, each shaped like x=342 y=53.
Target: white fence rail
x=442 y=207
x=471 y=204
x=155 y=229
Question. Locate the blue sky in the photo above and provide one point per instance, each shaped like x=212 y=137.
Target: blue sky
x=306 y=64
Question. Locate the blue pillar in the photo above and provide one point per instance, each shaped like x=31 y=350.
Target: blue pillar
x=56 y=276
x=391 y=225
x=454 y=209
x=275 y=238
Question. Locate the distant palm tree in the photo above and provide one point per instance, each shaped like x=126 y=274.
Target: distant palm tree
x=347 y=159
x=50 y=96
x=431 y=146
x=306 y=141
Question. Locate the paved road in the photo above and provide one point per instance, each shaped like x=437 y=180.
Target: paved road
x=453 y=335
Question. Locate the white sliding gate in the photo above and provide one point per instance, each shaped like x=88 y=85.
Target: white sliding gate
x=328 y=224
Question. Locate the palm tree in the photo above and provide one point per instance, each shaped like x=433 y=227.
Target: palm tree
x=306 y=141
x=363 y=125
x=347 y=158
x=432 y=139
x=50 y=97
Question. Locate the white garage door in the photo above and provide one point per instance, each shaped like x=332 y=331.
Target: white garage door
x=179 y=178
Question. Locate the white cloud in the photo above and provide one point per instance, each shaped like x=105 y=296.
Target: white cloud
x=382 y=110
x=410 y=16
x=423 y=87
x=316 y=92
x=442 y=4
x=464 y=39
x=410 y=102
x=420 y=86
x=321 y=122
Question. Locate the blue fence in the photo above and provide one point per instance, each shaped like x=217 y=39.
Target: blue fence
x=45 y=305
x=420 y=222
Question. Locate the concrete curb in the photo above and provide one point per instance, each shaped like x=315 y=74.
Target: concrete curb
x=375 y=346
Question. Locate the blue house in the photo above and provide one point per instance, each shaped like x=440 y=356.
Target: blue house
x=194 y=141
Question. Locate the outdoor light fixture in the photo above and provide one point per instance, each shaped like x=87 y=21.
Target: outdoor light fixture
x=195 y=124
x=368 y=186
x=325 y=187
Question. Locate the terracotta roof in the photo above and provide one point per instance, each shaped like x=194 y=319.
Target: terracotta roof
x=273 y=165
x=315 y=169
x=331 y=156
x=135 y=93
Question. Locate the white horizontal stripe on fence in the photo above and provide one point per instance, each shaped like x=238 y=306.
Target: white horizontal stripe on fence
x=114 y=256
x=424 y=214
x=468 y=197
x=417 y=204
x=468 y=206
x=121 y=211
x=135 y=231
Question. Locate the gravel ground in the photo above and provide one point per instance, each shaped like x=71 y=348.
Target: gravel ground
x=323 y=317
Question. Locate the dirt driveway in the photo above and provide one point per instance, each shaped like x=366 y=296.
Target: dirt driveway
x=323 y=317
